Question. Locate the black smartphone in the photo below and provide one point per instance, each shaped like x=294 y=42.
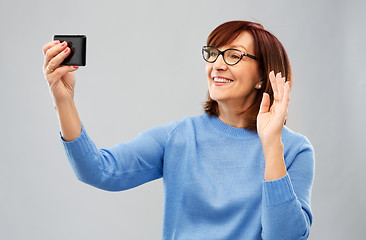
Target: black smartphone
x=77 y=45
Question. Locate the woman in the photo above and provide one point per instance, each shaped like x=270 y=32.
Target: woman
x=234 y=172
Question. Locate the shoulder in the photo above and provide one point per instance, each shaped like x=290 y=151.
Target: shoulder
x=165 y=130
x=290 y=137
x=297 y=146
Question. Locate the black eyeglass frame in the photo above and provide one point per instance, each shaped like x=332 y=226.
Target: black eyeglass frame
x=223 y=52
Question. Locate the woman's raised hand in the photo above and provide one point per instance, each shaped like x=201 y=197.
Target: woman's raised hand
x=270 y=119
x=61 y=78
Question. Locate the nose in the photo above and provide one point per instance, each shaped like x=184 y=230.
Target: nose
x=220 y=64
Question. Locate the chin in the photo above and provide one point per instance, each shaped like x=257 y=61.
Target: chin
x=217 y=97
x=217 y=94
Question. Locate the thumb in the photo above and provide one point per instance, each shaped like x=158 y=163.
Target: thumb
x=265 y=103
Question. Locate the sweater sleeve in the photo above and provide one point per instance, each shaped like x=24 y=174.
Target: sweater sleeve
x=122 y=166
x=286 y=211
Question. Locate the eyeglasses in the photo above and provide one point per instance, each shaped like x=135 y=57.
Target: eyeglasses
x=230 y=56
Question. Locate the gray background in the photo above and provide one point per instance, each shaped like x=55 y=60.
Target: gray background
x=144 y=68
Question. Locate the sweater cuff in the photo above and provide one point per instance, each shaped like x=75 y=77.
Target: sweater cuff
x=278 y=191
x=77 y=147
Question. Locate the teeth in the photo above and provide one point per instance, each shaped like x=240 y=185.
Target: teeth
x=222 y=80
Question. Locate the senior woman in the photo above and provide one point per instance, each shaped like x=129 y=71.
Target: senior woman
x=234 y=172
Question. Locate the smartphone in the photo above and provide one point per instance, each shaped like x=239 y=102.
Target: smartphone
x=77 y=45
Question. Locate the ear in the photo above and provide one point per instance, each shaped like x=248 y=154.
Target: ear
x=259 y=85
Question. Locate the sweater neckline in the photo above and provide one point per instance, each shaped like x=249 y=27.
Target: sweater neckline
x=230 y=131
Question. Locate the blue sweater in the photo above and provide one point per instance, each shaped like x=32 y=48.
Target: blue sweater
x=213 y=178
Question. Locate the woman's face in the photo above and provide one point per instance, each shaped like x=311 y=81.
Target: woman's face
x=244 y=75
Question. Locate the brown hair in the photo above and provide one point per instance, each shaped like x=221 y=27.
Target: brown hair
x=270 y=54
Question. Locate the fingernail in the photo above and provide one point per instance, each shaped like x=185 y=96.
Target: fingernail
x=67 y=49
x=63 y=44
x=76 y=67
x=280 y=74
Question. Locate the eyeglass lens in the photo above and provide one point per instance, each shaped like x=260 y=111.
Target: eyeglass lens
x=231 y=56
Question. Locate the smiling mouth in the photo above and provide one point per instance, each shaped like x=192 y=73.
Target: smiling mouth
x=222 y=80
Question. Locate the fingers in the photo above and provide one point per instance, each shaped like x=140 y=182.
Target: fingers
x=55 y=62
x=55 y=53
x=278 y=85
x=272 y=79
x=286 y=94
x=280 y=81
x=274 y=85
x=49 y=45
x=265 y=103
x=59 y=72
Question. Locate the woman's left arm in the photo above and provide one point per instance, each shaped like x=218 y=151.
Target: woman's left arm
x=286 y=210
x=270 y=122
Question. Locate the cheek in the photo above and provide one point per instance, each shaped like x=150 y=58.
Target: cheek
x=248 y=75
x=208 y=69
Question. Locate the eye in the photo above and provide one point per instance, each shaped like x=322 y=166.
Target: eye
x=235 y=56
x=212 y=54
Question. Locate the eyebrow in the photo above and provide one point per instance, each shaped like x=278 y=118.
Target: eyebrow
x=235 y=46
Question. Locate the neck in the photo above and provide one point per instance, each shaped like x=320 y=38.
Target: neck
x=232 y=114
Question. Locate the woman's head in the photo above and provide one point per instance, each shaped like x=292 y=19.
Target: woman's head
x=246 y=80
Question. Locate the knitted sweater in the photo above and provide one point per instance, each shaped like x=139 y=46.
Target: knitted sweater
x=213 y=178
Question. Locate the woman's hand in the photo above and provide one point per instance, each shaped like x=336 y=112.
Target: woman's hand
x=270 y=119
x=270 y=122
x=61 y=79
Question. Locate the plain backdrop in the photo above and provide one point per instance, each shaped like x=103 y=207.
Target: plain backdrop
x=144 y=68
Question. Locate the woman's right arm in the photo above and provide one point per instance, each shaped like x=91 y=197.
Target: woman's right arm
x=61 y=82
x=119 y=167
x=69 y=120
